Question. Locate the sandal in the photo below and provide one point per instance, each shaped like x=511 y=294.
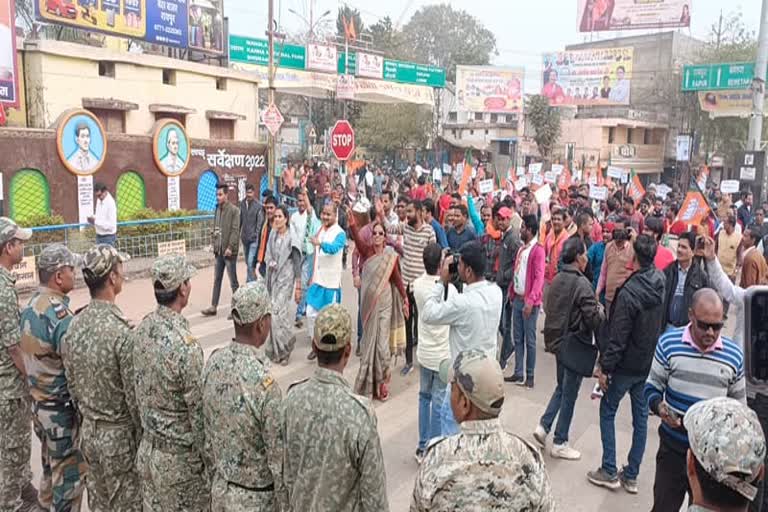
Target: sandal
x=383 y=392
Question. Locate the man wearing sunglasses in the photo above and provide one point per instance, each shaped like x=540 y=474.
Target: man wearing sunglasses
x=691 y=364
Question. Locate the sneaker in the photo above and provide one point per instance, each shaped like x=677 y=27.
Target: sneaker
x=419 y=456
x=602 y=479
x=311 y=356
x=516 y=379
x=629 y=484
x=528 y=383
x=298 y=323
x=540 y=435
x=406 y=370
x=565 y=452
x=211 y=311
x=359 y=350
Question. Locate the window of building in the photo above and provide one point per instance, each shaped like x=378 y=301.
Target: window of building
x=478 y=116
x=206 y=191
x=611 y=135
x=453 y=132
x=630 y=135
x=647 y=136
x=169 y=76
x=221 y=84
x=222 y=129
x=453 y=116
x=502 y=118
x=29 y=196
x=181 y=118
x=494 y=118
x=113 y=120
x=107 y=68
x=486 y=132
x=504 y=147
x=471 y=132
x=130 y=194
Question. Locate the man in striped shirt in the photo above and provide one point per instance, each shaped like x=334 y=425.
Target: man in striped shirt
x=691 y=364
x=416 y=234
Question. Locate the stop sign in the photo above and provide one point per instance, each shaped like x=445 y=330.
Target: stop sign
x=342 y=140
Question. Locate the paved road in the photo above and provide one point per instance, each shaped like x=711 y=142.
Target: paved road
x=397 y=418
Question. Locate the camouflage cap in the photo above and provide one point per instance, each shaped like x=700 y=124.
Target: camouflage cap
x=726 y=438
x=100 y=259
x=56 y=256
x=251 y=303
x=479 y=377
x=333 y=328
x=10 y=230
x=171 y=271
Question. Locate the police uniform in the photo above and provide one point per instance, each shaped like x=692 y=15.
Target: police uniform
x=242 y=403
x=98 y=358
x=43 y=323
x=333 y=458
x=483 y=467
x=169 y=367
x=15 y=417
x=726 y=439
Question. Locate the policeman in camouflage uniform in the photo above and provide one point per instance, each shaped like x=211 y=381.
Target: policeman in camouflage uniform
x=333 y=459
x=43 y=324
x=243 y=412
x=726 y=455
x=16 y=489
x=169 y=389
x=483 y=467
x=98 y=358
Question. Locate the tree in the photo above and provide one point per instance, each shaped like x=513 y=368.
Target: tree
x=386 y=38
x=386 y=127
x=442 y=36
x=350 y=15
x=545 y=121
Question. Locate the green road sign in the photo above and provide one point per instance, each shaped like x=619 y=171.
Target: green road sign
x=256 y=51
x=718 y=77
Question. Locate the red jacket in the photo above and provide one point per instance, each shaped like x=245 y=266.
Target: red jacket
x=534 y=280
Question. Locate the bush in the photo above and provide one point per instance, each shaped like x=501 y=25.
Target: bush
x=44 y=237
x=156 y=228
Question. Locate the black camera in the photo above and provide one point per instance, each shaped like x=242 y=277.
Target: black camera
x=756 y=333
x=453 y=266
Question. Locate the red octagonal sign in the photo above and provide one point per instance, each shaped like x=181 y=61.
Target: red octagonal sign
x=342 y=140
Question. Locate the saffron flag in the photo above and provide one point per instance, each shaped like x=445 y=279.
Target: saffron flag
x=635 y=189
x=564 y=180
x=695 y=207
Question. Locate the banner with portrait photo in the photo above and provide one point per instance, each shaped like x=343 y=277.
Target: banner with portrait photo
x=9 y=73
x=489 y=89
x=726 y=103
x=599 y=15
x=588 y=77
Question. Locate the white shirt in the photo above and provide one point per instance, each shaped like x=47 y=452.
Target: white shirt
x=105 y=216
x=620 y=92
x=433 y=339
x=521 y=269
x=473 y=316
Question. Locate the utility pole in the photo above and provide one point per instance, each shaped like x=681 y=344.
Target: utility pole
x=758 y=84
x=271 y=85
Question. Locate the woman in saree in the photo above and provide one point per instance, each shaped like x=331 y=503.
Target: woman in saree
x=283 y=281
x=384 y=305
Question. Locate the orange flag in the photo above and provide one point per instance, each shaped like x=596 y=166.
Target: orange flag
x=564 y=181
x=695 y=206
x=465 y=178
x=636 y=190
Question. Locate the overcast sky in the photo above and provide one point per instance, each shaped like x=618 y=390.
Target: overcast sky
x=522 y=33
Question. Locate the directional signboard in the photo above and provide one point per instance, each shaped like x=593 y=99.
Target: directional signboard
x=342 y=140
x=718 y=77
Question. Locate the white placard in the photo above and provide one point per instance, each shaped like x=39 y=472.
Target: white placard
x=447 y=169
x=369 y=65
x=748 y=173
x=520 y=171
x=557 y=169
x=615 y=172
x=172 y=247
x=599 y=193
x=322 y=58
x=592 y=180
x=84 y=198
x=174 y=193
x=683 y=148
x=345 y=87
x=25 y=272
x=543 y=194
x=535 y=168
x=576 y=175
x=521 y=183
x=625 y=177
x=663 y=190
x=437 y=174
x=729 y=186
x=485 y=186
x=549 y=177
x=537 y=179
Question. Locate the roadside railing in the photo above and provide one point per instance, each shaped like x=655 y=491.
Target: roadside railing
x=138 y=238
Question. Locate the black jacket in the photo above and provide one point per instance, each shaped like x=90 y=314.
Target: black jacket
x=251 y=221
x=634 y=324
x=510 y=244
x=570 y=289
x=696 y=279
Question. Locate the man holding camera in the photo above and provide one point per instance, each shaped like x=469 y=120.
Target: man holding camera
x=473 y=316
